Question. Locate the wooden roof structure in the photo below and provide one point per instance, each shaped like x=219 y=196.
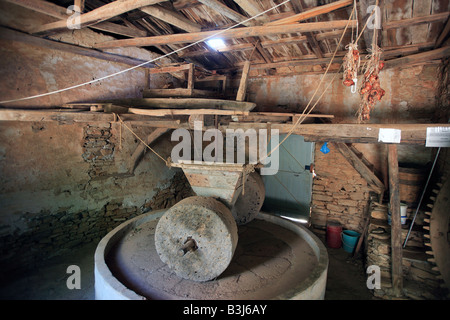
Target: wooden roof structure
x=295 y=37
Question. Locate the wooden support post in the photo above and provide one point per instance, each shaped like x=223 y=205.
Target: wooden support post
x=190 y=81
x=79 y=4
x=243 y=84
x=396 y=227
x=443 y=35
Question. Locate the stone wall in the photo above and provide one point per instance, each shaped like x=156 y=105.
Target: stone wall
x=410 y=95
x=420 y=280
x=178 y=189
x=62 y=185
x=29 y=70
x=339 y=192
x=50 y=234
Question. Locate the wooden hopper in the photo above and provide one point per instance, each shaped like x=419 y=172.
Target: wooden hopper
x=223 y=181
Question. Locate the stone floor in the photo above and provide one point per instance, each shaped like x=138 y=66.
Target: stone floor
x=346 y=279
x=49 y=281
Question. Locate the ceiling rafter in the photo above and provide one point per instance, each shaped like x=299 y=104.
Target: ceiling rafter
x=227 y=34
x=100 y=14
x=290 y=36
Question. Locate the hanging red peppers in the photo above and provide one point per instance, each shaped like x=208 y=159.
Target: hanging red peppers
x=370 y=90
x=351 y=65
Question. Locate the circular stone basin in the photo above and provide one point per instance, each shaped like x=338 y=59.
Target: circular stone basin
x=274 y=259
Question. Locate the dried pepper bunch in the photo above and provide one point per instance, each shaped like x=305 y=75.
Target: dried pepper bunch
x=351 y=64
x=370 y=89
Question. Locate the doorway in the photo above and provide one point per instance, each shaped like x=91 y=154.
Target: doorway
x=288 y=192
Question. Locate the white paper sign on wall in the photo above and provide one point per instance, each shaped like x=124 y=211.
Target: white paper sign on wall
x=438 y=137
x=389 y=135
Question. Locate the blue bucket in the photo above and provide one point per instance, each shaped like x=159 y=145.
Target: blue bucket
x=349 y=240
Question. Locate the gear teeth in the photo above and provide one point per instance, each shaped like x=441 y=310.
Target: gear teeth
x=427 y=235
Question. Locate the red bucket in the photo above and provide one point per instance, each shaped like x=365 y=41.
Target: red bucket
x=334 y=230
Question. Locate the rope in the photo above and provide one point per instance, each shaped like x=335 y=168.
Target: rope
x=144 y=63
x=303 y=116
x=168 y=162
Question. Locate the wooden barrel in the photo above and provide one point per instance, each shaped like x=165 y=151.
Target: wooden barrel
x=411 y=183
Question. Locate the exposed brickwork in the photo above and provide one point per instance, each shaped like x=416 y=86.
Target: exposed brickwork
x=98 y=150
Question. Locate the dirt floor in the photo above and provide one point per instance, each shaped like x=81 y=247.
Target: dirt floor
x=346 y=279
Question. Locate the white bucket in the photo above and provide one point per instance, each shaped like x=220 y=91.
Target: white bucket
x=403 y=208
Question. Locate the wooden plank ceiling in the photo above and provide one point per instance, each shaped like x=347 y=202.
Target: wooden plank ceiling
x=299 y=36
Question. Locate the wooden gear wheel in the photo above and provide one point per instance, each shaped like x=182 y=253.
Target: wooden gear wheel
x=439 y=236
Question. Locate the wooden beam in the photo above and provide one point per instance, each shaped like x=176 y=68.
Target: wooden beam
x=243 y=84
x=414 y=134
x=314 y=45
x=66 y=117
x=396 y=226
x=179 y=92
x=292 y=63
x=311 y=39
x=403 y=50
x=190 y=77
x=17 y=36
x=226 y=11
x=265 y=43
x=231 y=33
x=193 y=103
x=253 y=9
x=247 y=46
x=139 y=152
x=184 y=112
x=60 y=13
x=372 y=180
x=172 y=18
x=41 y=6
x=311 y=13
x=443 y=35
x=185 y=4
x=419 y=57
x=103 y=13
x=415 y=21
x=288 y=114
x=170 y=69
x=79 y=4
x=119 y=29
